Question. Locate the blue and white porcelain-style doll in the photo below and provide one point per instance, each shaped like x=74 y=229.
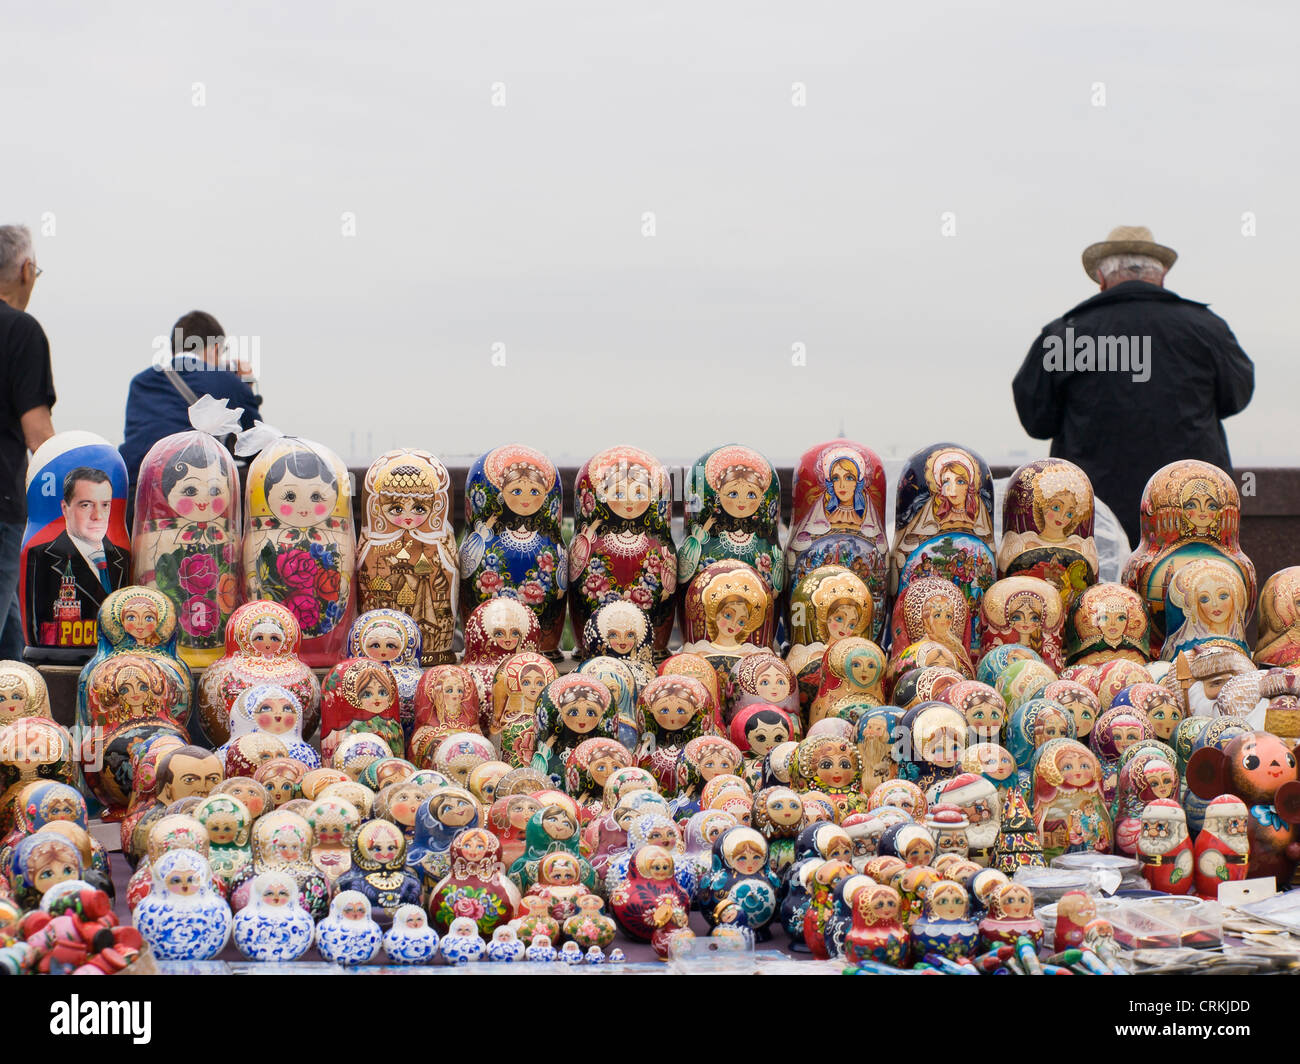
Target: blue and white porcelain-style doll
x=595 y=955
x=410 y=940
x=505 y=947
x=540 y=951
x=348 y=935
x=182 y=918
x=571 y=953
x=462 y=942
x=272 y=710
x=273 y=926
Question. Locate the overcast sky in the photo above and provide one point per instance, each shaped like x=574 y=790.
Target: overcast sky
x=522 y=225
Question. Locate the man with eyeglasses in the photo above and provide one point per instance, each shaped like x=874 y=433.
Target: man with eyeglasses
x=28 y=395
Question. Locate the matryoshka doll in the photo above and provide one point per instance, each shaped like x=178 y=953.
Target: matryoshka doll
x=945 y=926
x=834 y=768
x=459 y=755
x=282 y=842
x=697 y=667
x=992 y=665
x=622 y=547
x=410 y=940
x=552 y=826
x=1114 y=676
x=1189 y=510
x=1047 y=519
x=571 y=709
x=39 y=862
x=978 y=800
x=899 y=794
x=1159 y=704
x=447 y=811
x=519 y=682
x=728 y=613
x=476 y=884
x=938 y=739
x=1279 y=620
x=1164 y=848
x=75 y=547
x=1079 y=700
x=621 y=630
x=399 y=803
x=761 y=679
x=174 y=832
x=702 y=830
x=1205 y=605
x=229 y=826
x=1026 y=611
x=733 y=505
x=513 y=545
x=446 y=703
x=702 y=759
x=183 y=918
x=839 y=519
x=650 y=903
x=588 y=767
x=982 y=707
x=559 y=881
x=874 y=736
x=623 y=688
x=877 y=934
x=1032 y=724
x=495 y=631
x=1145 y=775
x=359 y=697
x=299 y=548
x=1070 y=808
x=186 y=539
x=910 y=843
x=379 y=870
x=933 y=609
x=1010 y=916
x=483 y=779
x=830 y=603
x=944 y=525
x=589 y=927
x=1115 y=731
x=334 y=823
x=270 y=709
x=824 y=882
x=32 y=749
x=164 y=770
x=755 y=731
x=262 y=644
x=349 y=935
x=675 y=711
x=852 y=670
x=393 y=638
x=1107 y=621
x=22 y=692
x=273 y=925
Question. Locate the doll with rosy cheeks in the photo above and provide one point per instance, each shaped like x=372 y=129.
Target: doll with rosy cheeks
x=400 y=804
x=393 y=639
x=742 y=878
x=832 y=767
x=1070 y=808
x=519 y=683
x=476 y=885
x=983 y=708
x=359 y=696
x=1147 y=776
x=508 y=820
x=673 y=709
x=1157 y=703
x=379 y=870
x=269 y=709
x=1115 y=731
x=756 y=730
x=446 y=703
x=877 y=934
x=229 y=824
x=1010 y=915
x=588 y=768
x=334 y=824
x=182 y=917
x=1081 y=703
x=282 y=778
x=559 y=881
x=911 y=843
x=651 y=902
x=702 y=759
x=571 y=709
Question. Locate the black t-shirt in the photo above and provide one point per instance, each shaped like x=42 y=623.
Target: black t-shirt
x=28 y=382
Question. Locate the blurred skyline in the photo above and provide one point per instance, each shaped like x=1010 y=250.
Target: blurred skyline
x=799 y=164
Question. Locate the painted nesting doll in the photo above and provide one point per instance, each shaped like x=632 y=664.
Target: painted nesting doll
x=982 y=707
x=186 y=539
x=728 y=614
x=262 y=643
x=519 y=682
x=839 y=519
x=570 y=710
x=742 y=888
x=183 y=918
x=830 y=603
x=269 y=709
x=299 y=548
x=394 y=638
x=476 y=885
x=764 y=680
x=732 y=507
x=349 y=935
x=697 y=667
x=702 y=759
x=877 y=933
x=1189 y=510
x=447 y=811
x=379 y=870
x=359 y=696
x=587 y=769
x=406 y=559
x=945 y=925
x=334 y=823
x=22 y=692
x=622 y=631
x=1107 y=621
x=832 y=767
x=1070 y=808
x=1032 y=724
x=229 y=825
x=675 y=710
x=496 y=630
x=651 y=904
x=1279 y=620
x=75 y=547
x=853 y=671
x=937 y=735
x=282 y=843
x=446 y=704
x=993 y=664
x=513 y=546
x=1047 y=521
x=622 y=547
x=932 y=609
x=273 y=925
x=1205 y=605
x=944 y=525
x=411 y=940
x=32 y=749
x=623 y=689
x=1026 y=611
x=1079 y=700
x=1145 y=776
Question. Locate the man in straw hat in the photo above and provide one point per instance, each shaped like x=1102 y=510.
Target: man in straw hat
x=1135 y=377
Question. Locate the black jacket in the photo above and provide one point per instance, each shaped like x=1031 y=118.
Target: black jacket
x=1120 y=429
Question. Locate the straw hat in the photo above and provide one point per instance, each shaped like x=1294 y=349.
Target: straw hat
x=1127 y=240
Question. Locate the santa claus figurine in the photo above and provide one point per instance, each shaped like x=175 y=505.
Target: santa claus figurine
x=1164 y=848
x=1223 y=846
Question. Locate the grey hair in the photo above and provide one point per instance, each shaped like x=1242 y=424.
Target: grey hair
x=1135 y=265
x=15 y=249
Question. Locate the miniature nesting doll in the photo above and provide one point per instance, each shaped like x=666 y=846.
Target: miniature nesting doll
x=513 y=545
x=839 y=519
x=675 y=711
x=852 y=670
x=75 y=548
x=1025 y=611
x=262 y=644
x=462 y=942
x=393 y=638
x=571 y=709
x=1047 y=521
x=446 y=703
x=1205 y=605
x=1144 y=776
x=1080 y=701
x=519 y=682
x=475 y=885
x=273 y=925
x=1010 y=916
x=183 y=918
x=1189 y=510
x=937 y=734
x=1115 y=731
x=742 y=880
x=589 y=927
x=945 y=926
x=622 y=547
x=697 y=667
x=701 y=760
x=410 y=940
x=650 y=903
x=495 y=631
x=229 y=826
x=32 y=749
x=348 y=935
x=334 y=823
x=1279 y=620
x=934 y=609
x=270 y=709
x=588 y=767
x=877 y=933
x=623 y=689
x=834 y=768
x=1070 y=809
x=299 y=548
x=1107 y=621
x=22 y=692
x=621 y=630
x=379 y=870
x=728 y=614
x=943 y=524
x=982 y=707
x=552 y=827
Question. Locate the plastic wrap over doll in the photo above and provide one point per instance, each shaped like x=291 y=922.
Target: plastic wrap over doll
x=406 y=559
x=186 y=539
x=839 y=519
x=392 y=637
x=183 y=918
x=513 y=545
x=299 y=547
x=519 y=682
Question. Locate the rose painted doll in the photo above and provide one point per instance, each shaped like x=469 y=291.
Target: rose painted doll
x=622 y=630
x=186 y=538
x=334 y=823
x=299 y=548
x=622 y=547
x=674 y=709
x=1010 y=915
x=359 y=696
x=446 y=703
x=476 y=885
x=406 y=557
x=571 y=709
x=519 y=682
x=1070 y=808
x=513 y=545
x=393 y=638
x=651 y=903
x=262 y=644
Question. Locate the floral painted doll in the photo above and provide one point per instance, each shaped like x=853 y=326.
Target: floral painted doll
x=1205 y=605
x=379 y=870
x=588 y=767
x=877 y=933
x=393 y=638
x=674 y=709
x=446 y=703
x=406 y=559
x=702 y=830
x=704 y=758
x=273 y=925
x=476 y=885
x=32 y=749
x=623 y=689
x=359 y=697
x=651 y=902
x=551 y=827
x=833 y=767
x=229 y=826
x=1157 y=702
x=186 y=539
x=299 y=548
x=1070 y=808
x=934 y=609
x=827 y=604
x=1047 y=520
x=741 y=878
x=519 y=682
x=513 y=545
x=571 y=709
x=622 y=547
x=447 y=811
x=183 y=918
x=174 y=832
x=1025 y=611
x=559 y=881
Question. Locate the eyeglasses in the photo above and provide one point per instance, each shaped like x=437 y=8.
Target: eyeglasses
x=38 y=270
